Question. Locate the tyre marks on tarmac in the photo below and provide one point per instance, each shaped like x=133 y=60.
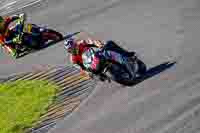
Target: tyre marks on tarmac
x=73 y=88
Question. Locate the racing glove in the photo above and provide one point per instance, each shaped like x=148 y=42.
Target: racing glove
x=96 y=43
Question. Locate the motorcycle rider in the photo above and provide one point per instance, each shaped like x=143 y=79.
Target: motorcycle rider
x=10 y=38
x=77 y=48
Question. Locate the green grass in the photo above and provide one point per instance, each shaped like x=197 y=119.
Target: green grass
x=22 y=103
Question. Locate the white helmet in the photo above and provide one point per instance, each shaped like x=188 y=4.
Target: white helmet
x=68 y=43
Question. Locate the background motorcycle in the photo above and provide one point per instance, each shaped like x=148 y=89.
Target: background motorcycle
x=33 y=37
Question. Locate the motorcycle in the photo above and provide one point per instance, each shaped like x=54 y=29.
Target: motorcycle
x=124 y=71
x=32 y=36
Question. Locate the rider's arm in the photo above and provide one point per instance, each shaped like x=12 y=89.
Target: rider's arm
x=14 y=17
x=78 y=65
x=9 y=40
x=75 y=62
x=94 y=43
x=91 y=45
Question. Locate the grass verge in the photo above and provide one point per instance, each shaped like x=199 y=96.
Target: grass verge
x=23 y=102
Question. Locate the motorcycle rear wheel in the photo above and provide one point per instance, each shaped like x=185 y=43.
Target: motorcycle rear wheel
x=118 y=73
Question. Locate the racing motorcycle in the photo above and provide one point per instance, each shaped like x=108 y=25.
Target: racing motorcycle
x=32 y=36
x=124 y=71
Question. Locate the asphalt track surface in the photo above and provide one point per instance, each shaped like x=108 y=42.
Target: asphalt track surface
x=159 y=31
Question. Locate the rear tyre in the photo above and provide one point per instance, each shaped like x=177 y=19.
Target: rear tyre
x=119 y=74
x=142 y=69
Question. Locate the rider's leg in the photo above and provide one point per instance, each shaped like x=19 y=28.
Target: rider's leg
x=112 y=55
x=32 y=41
x=18 y=29
x=32 y=29
x=111 y=45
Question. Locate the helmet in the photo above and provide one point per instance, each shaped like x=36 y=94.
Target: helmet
x=69 y=44
x=2 y=23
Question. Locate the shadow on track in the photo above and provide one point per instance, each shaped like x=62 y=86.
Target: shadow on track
x=152 y=72
x=51 y=43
